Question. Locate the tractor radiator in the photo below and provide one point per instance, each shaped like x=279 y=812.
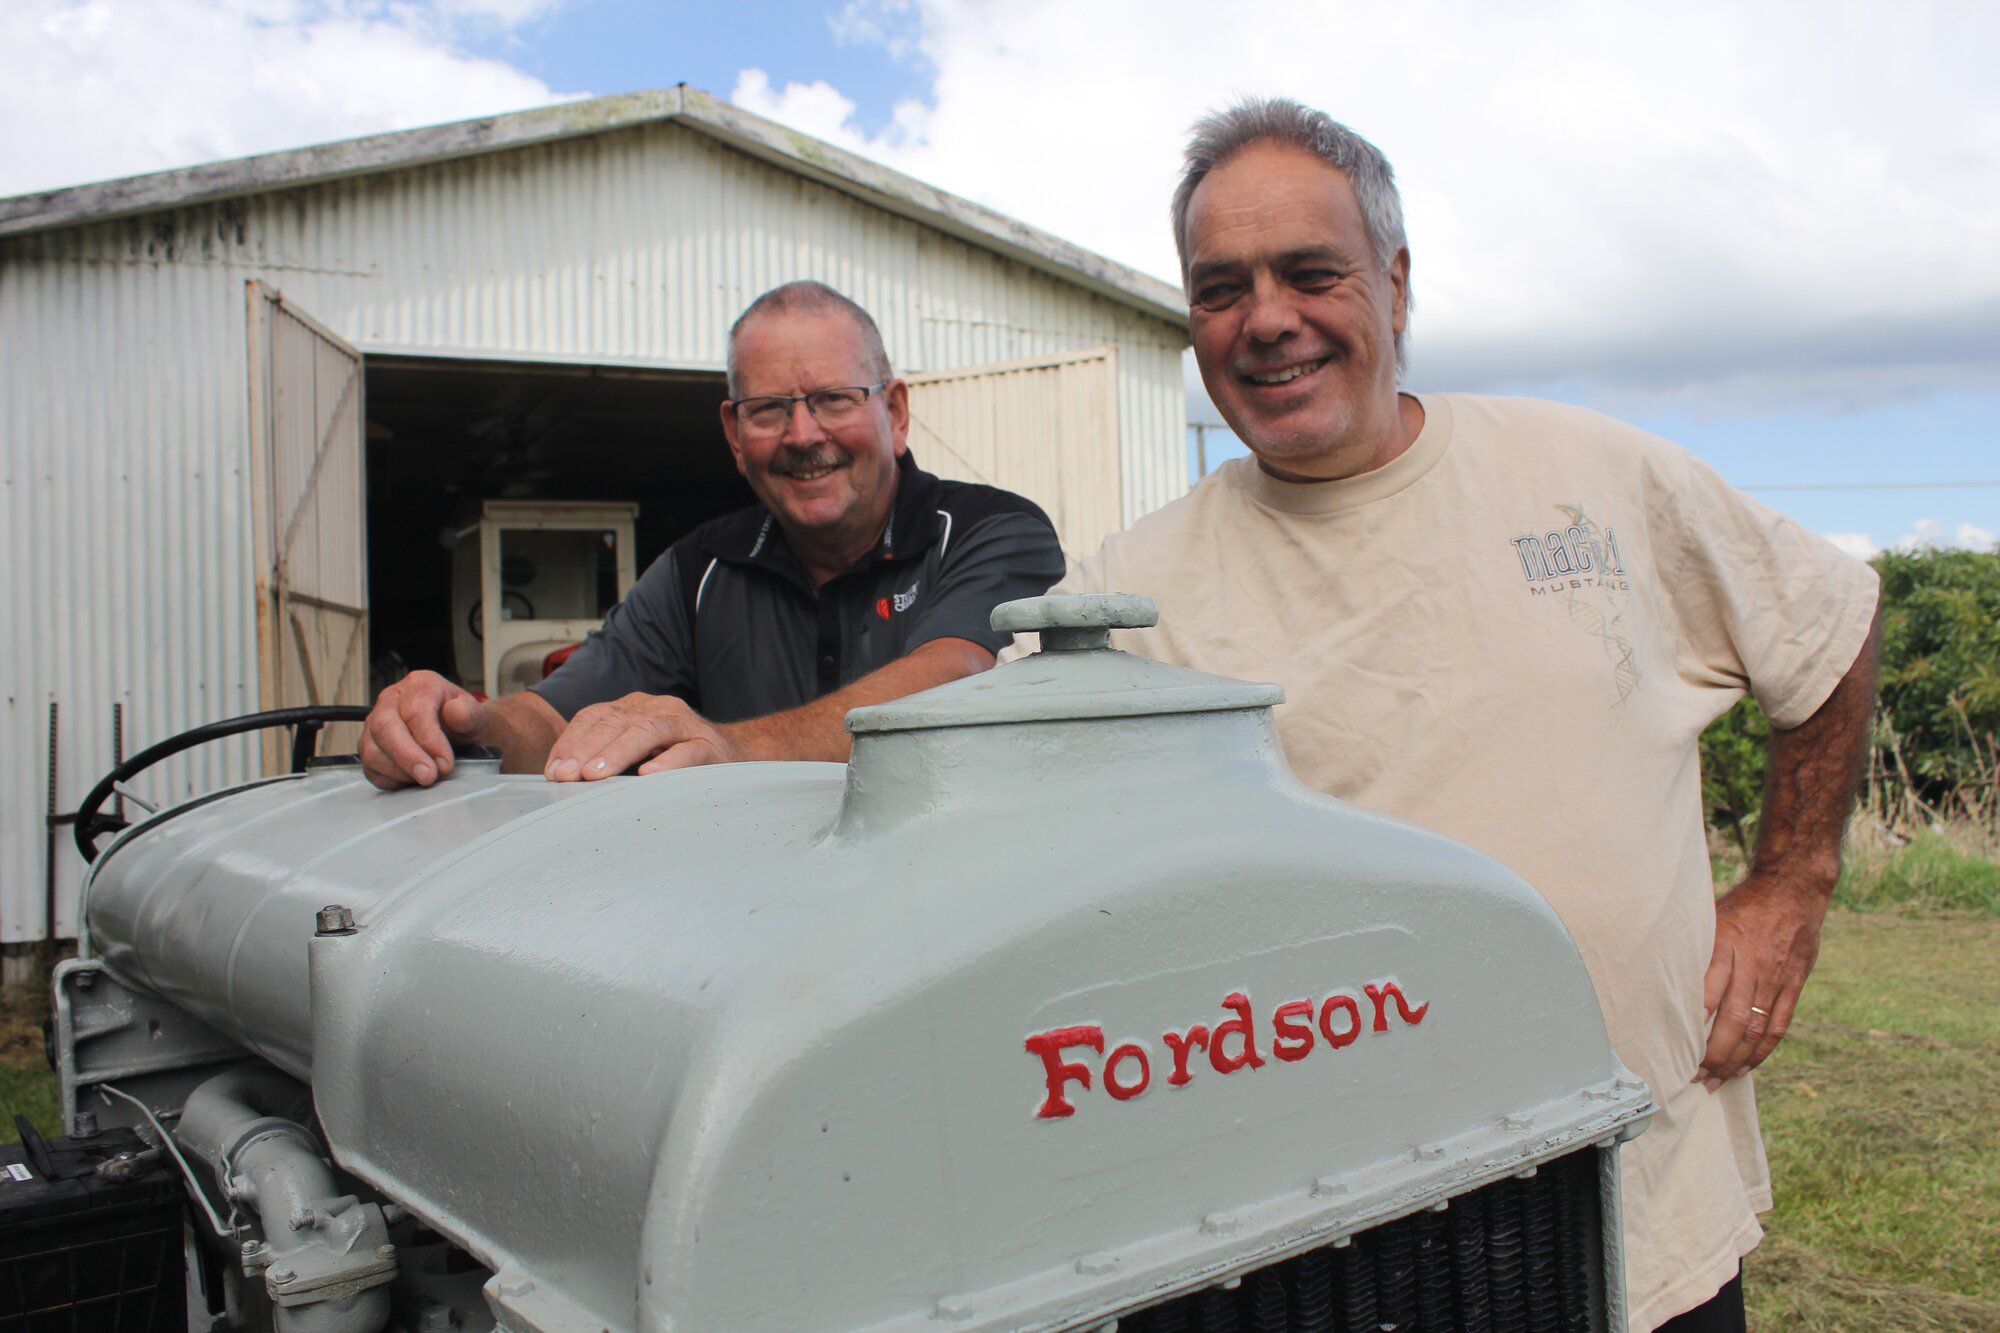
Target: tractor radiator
x=1515 y=1256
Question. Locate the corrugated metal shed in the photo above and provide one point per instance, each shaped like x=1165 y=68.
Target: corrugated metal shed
x=624 y=232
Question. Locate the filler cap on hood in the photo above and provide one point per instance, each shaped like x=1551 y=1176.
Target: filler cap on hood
x=1076 y=675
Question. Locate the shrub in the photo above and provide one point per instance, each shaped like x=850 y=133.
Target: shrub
x=1936 y=745
x=1940 y=709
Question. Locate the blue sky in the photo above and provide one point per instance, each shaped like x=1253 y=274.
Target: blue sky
x=1947 y=436
x=1785 y=458
x=1765 y=231
x=605 y=46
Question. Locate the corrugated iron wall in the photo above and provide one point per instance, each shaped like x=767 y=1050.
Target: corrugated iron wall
x=128 y=535
x=123 y=391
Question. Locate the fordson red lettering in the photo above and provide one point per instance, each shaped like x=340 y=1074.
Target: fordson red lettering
x=1229 y=1047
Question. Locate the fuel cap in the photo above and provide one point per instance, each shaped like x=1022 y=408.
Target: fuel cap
x=1068 y=623
x=1077 y=674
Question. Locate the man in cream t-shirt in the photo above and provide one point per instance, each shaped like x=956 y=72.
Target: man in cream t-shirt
x=1509 y=621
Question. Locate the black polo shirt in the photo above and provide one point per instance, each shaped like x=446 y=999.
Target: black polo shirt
x=728 y=620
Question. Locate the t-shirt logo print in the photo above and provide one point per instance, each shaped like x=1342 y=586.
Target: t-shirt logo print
x=1578 y=564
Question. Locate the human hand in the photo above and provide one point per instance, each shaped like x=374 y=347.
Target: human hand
x=407 y=738
x=605 y=739
x=1766 y=940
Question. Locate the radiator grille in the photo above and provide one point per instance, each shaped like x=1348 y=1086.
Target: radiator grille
x=1515 y=1256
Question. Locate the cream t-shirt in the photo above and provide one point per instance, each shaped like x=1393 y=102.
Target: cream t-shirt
x=1514 y=634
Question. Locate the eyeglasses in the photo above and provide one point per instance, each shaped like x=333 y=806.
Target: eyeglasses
x=829 y=407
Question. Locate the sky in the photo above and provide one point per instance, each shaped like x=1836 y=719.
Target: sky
x=1770 y=232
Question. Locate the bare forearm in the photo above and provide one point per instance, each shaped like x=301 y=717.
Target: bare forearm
x=524 y=726
x=663 y=732
x=1809 y=787
x=1767 y=928
x=818 y=730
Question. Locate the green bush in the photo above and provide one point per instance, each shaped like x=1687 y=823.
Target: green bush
x=1732 y=772
x=1936 y=743
x=1940 y=708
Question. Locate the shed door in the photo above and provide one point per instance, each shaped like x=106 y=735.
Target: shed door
x=1046 y=428
x=306 y=503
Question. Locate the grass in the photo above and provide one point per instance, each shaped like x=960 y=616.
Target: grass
x=1951 y=866
x=1881 y=1114
x=27 y=1087
x=1881 y=1110
x=1935 y=870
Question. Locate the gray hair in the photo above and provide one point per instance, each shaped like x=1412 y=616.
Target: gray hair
x=1220 y=135
x=815 y=298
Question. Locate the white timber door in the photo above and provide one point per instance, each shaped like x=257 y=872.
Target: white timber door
x=1045 y=427
x=308 y=512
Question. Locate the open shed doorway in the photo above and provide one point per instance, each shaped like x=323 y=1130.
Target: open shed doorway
x=444 y=437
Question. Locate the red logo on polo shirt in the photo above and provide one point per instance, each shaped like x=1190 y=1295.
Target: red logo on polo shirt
x=882 y=607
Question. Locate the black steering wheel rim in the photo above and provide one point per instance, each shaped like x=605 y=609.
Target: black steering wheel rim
x=91 y=821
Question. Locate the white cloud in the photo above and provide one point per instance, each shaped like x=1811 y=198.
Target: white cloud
x=823 y=111
x=103 y=88
x=1928 y=534
x=1857 y=544
x=501 y=13
x=818 y=108
x=885 y=23
x=1777 y=204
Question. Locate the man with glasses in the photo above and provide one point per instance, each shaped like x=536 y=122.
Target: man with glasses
x=856 y=579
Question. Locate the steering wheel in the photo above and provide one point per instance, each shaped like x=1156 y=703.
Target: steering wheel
x=91 y=821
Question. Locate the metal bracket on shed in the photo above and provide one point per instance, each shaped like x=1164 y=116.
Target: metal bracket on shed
x=54 y=820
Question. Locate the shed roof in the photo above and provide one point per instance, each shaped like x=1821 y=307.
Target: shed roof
x=697 y=110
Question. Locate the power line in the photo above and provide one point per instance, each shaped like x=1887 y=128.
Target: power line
x=1881 y=486
x=1202 y=428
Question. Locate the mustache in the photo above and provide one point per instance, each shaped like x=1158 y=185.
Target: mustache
x=793 y=461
